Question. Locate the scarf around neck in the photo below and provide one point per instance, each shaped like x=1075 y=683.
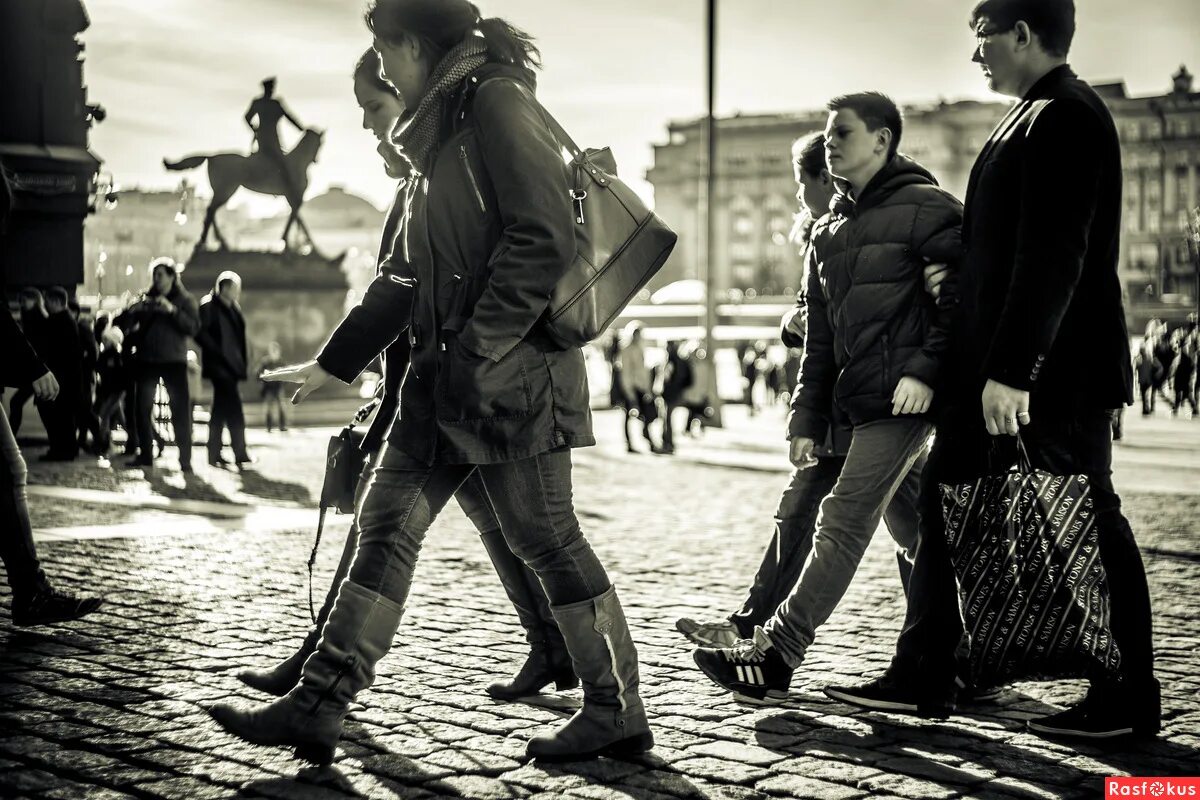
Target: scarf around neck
x=416 y=133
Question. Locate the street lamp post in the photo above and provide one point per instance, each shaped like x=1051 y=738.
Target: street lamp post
x=710 y=218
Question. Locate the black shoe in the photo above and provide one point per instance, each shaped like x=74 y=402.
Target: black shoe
x=139 y=461
x=752 y=669
x=1097 y=717
x=49 y=605
x=246 y=461
x=888 y=694
x=218 y=462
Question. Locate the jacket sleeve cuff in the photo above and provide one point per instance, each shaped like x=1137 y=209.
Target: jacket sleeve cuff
x=809 y=425
x=346 y=373
x=923 y=368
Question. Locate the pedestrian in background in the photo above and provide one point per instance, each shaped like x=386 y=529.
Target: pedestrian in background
x=677 y=379
x=637 y=386
x=89 y=350
x=112 y=382
x=1183 y=369
x=33 y=326
x=64 y=357
x=275 y=410
x=222 y=340
x=161 y=322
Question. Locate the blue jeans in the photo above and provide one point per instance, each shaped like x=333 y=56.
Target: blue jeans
x=795 y=522
x=885 y=458
x=532 y=501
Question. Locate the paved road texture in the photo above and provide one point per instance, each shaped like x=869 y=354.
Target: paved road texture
x=110 y=707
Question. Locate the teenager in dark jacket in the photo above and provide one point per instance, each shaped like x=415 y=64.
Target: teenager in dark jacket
x=158 y=328
x=34 y=600
x=64 y=356
x=548 y=660
x=873 y=356
x=222 y=340
x=796 y=515
x=1040 y=349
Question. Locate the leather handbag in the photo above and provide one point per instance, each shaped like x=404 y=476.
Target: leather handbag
x=620 y=244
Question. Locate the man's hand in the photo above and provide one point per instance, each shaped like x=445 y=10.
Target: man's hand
x=165 y=305
x=911 y=397
x=46 y=387
x=310 y=375
x=801 y=452
x=1005 y=409
x=935 y=276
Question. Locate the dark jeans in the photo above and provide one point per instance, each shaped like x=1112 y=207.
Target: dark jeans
x=532 y=500
x=275 y=408
x=795 y=521
x=108 y=410
x=1080 y=443
x=59 y=415
x=16 y=534
x=227 y=413
x=145 y=383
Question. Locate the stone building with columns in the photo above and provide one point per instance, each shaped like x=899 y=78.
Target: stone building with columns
x=755 y=194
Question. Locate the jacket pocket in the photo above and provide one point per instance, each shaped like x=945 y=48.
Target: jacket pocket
x=474 y=388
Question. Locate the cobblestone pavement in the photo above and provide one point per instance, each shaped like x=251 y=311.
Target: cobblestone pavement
x=111 y=706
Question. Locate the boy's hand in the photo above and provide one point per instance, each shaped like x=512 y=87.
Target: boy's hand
x=935 y=276
x=801 y=452
x=911 y=397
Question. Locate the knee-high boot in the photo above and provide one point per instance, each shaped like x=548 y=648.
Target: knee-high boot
x=282 y=678
x=548 y=660
x=613 y=719
x=309 y=718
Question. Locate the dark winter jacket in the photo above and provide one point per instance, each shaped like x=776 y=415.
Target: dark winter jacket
x=870 y=321
x=159 y=336
x=1040 y=298
x=63 y=352
x=222 y=340
x=483 y=241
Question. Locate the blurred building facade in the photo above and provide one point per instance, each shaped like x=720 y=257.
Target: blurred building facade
x=755 y=202
x=44 y=122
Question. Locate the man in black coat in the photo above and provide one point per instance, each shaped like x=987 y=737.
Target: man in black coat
x=1041 y=349
x=222 y=339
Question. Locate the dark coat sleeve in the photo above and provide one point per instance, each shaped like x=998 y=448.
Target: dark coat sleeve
x=812 y=402
x=21 y=365
x=186 y=318
x=1059 y=183
x=537 y=244
x=377 y=321
x=937 y=238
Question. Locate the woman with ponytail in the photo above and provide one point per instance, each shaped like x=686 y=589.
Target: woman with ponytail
x=548 y=661
x=485 y=233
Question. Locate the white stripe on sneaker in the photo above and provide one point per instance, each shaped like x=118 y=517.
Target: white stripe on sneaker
x=741 y=674
x=759 y=676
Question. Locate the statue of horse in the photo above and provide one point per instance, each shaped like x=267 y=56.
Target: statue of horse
x=258 y=172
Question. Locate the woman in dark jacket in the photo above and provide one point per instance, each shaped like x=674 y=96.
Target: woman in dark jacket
x=156 y=345
x=548 y=661
x=487 y=232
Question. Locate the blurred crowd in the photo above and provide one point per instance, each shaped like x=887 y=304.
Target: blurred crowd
x=1165 y=363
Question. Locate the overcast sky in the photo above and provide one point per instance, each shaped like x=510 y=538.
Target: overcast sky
x=176 y=76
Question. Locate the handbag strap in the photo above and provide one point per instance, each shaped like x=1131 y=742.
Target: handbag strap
x=312 y=560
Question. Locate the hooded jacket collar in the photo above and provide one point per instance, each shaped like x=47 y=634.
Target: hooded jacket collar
x=897 y=173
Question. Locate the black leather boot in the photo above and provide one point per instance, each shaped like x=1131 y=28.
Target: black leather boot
x=548 y=661
x=309 y=718
x=283 y=677
x=613 y=719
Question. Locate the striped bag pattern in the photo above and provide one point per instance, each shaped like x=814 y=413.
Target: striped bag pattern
x=1032 y=586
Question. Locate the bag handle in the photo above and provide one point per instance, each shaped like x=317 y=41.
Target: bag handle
x=1023 y=465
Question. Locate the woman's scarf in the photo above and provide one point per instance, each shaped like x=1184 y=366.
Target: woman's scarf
x=415 y=134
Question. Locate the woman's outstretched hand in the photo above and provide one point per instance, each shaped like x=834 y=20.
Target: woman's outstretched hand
x=310 y=375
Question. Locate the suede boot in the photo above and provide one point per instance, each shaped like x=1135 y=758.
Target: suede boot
x=548 y=661
x=613 y=719
x=309 y=718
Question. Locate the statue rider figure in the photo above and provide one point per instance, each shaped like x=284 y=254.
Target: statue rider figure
x=269 y=110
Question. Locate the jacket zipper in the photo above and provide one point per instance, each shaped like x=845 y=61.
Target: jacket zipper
x=462 y=155
x=887 y=366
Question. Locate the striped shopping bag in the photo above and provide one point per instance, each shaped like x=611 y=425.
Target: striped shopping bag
x=1033 y=590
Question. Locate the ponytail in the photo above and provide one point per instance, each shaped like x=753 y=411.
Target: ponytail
x=509 y=45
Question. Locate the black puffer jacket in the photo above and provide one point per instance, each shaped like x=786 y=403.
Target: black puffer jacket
x=870 y=321
x=483 y=241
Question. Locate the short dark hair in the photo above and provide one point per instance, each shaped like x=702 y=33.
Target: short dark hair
x=32 y=294
x=440 y=25
x=58 y=295
x=876 y=109
x=1052 y=21
x=808 y=153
